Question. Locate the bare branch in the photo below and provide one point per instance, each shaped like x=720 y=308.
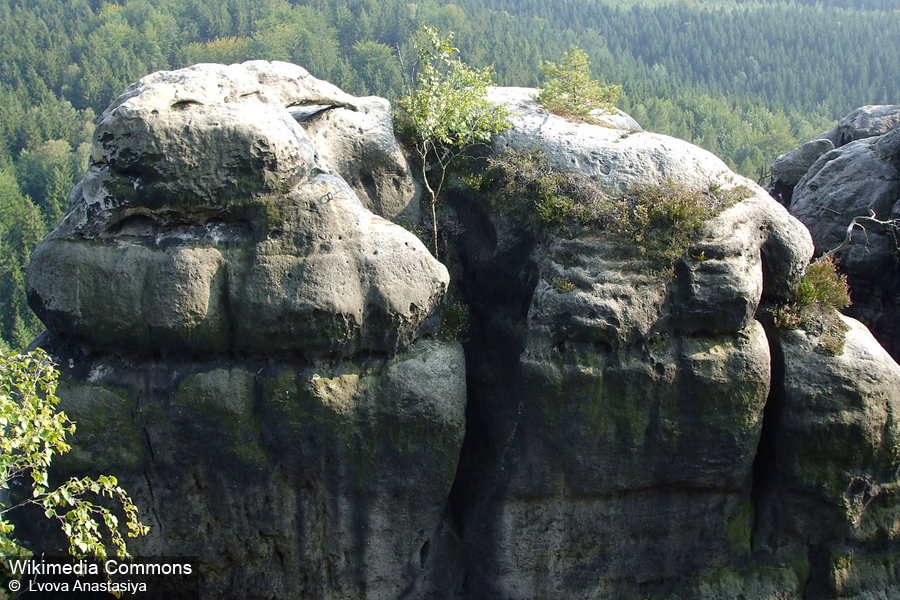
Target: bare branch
x=858 y=222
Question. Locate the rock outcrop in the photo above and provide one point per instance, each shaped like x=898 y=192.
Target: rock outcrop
x=858 y=178
x=240 y=336
x=252 y=352
x=614 y=449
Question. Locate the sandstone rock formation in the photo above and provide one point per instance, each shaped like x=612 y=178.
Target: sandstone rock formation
x=250 y=350
x=240 y=336
x=614 y=448
x=860 y=177
x=209 y=222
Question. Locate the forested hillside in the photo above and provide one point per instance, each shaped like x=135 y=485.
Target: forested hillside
x=744 y=79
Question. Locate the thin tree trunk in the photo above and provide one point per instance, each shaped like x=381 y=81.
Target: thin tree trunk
x=431 y=192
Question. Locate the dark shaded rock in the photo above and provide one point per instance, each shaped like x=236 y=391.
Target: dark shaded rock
x=834 y=467
x=285 y=479
x=790 y=168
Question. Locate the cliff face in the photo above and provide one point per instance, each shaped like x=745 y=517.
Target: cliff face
x=245 y=339
x=251 y=351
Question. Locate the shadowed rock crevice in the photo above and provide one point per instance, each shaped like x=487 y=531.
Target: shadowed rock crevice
x=765 y=464
x=496 y=283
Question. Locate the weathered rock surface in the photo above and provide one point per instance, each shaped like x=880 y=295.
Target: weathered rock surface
x=210 y=221
x=616 y=155
x=240 y=337
x=834 y=443
x=613 y=445
x=247 y=348
x=361 y=146
x=789 y=168
x=865 y=121
x=284 y=479
x=858 y=179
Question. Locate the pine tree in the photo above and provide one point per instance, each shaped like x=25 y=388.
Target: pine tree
x=570 y=91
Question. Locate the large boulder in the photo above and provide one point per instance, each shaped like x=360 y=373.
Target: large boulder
x=864 y=122
x=615 y=152
x=247 y=346
x=210 y=221
x=789 y=168
x=616 y=410
x=833 y=450
x=283 y=479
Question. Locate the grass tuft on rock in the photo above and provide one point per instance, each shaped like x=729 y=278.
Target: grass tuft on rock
x=817 y=299
x=657 y=223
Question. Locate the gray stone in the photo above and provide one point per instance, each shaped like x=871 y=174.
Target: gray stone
x=834 y=445
x=624 y=430
x=210 y=221
x=858 y=179
x=285 y=480
x=865 y=121
x=615 y=158
x=789 y=168
x=360 y=145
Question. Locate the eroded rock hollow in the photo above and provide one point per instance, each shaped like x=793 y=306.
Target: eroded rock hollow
x=249 y=343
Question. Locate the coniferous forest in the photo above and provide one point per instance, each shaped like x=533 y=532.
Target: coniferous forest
x=745 y=79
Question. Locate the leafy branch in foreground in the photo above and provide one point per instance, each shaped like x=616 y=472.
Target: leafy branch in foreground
x=447 y=112
x=32 y=432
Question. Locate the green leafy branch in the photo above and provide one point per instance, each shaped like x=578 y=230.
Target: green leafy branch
x=32 y=432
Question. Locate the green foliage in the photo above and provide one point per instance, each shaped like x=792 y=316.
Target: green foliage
x=569 y=89
x=657 y=222
x=456 y=320
x=378 y=68
x=821 y=293
x=21 y=228
x=563 y=285
x=823 y=286
x=522 y=183
x=661 y=221
x=32 y=432
x=49 y=172
x=447 y=112
x=227 y=50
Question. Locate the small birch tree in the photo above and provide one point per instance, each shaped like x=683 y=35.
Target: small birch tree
x=446 y=112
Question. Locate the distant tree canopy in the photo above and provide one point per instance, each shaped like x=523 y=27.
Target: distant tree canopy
x=745 y=80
